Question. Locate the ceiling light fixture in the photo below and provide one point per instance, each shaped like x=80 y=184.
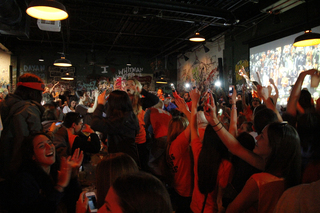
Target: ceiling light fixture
x=62 y=62
x=67 y=77
x=47 y=10
x=41 y=58
x=197 y=38
x=161 y=81
x=206 y=49
x=308 y=38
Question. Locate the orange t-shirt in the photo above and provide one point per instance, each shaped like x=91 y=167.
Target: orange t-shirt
x=159 y=120
x=141 y=136
x=181 y=165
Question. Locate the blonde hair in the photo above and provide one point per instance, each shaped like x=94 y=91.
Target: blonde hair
x=135 y=99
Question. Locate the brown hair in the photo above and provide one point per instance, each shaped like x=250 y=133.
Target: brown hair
x=109 y=169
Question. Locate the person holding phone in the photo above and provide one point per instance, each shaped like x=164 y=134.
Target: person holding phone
x=42 y=179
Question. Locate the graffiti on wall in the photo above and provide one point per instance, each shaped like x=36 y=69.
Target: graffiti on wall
x=128 y=72
x=203 y=71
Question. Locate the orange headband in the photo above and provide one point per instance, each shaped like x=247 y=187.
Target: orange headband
x=32 y=85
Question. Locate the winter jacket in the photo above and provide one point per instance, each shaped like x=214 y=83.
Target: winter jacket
x=20 y=118
x=120 y=132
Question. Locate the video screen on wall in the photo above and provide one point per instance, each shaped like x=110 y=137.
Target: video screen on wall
x=283 y=62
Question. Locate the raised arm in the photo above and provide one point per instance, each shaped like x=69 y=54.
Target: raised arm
x=95 y=104
x=183 y=107
x=276 y=96
x=296 y=90
x=233 y=128
x=264 y=94
x=195 y=96
x=230 y=141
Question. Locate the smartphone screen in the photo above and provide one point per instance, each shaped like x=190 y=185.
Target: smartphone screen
x=230 y=91
x=58 y=123
x=92 y=201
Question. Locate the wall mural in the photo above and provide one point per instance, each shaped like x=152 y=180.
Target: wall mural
x=4 y=70
x=201 y=67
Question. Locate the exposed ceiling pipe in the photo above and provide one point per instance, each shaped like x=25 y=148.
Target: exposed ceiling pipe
x=177 y=7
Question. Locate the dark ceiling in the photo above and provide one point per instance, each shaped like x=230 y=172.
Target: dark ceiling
x=156 y=28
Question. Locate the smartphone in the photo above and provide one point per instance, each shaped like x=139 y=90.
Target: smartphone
x=59 y=123
x=230 y=90
x=92 y=201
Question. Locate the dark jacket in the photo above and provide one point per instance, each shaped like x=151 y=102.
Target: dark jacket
x=33 y=190
x=120 y=133
x=19 y=118
x=87 y=144
x=148 y=100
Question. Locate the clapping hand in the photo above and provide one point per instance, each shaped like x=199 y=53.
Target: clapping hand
x=76 y=161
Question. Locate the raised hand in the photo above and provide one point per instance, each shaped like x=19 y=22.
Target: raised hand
x=64 y=173
x=102 y=98
x=234 y=95
x=195 y=95
x=263 y=92
x=210 y=113
x=76 y=161
x=182 y=106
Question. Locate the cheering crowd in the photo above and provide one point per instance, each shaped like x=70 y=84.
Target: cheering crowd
x=197 y=151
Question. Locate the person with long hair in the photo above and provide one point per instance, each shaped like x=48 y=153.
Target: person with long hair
x=71 y=107
x=41 y=182
x=120 y=126
x=179 y=158
x=211 y=165
x=277 y=154
x=140 y=99
x=137 y=192
x=109 y=169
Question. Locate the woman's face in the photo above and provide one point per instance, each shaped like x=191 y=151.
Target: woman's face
x=73 y=103
x=44 y=151
x=130 y=87
x=111 y=203
x=262 y=147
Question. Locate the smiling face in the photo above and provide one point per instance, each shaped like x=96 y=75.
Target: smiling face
x=262 y=147
x=111 y=203
x=44 y=151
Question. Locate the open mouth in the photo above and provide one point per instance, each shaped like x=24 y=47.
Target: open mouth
x=50 y=154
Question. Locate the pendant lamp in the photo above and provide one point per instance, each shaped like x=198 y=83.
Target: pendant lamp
x=197 y=38
x=62 y=62
x=67 y=77
x=47 y=10
x=307 y=39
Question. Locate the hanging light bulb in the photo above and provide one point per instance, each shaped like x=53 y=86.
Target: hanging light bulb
x=67 y=77
x=62 y=62
x=197 y=38
x=47 y=10
x=307 y=39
